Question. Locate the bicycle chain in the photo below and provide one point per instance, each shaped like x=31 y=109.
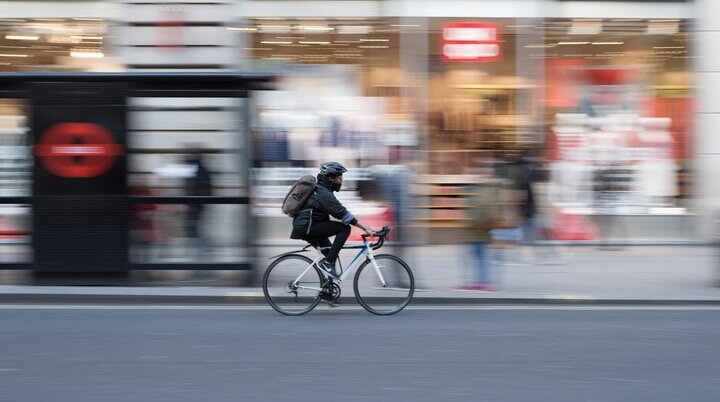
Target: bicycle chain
x=330 y=291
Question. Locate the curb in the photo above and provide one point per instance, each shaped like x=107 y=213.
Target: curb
x=35 y=298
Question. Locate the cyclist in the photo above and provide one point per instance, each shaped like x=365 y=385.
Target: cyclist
x=313 y=223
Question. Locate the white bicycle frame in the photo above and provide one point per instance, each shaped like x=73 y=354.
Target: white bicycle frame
x=365 y=250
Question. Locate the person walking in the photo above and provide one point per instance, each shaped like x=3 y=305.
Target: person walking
x=199 y=183
x=486 y=214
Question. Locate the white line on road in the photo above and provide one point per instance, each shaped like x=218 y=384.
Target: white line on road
x=345 y=308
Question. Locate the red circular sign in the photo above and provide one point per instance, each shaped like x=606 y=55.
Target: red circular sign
x=78 y=150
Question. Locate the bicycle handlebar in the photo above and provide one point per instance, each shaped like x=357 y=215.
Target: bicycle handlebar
x=381 y=235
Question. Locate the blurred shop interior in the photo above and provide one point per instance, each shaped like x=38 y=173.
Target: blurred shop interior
x=417 y=111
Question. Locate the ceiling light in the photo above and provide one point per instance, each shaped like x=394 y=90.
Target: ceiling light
x=354 y=29
x=373 y=47
x=275 y=42
x=79 y=37
x=539 y=46
x=313 y=43
x=662 y=28
x=87 y=54
x=22 y=37
x=668 y=47
x=374 y=40
x=573 y=43
x=585 y=27
x=243 y=29
x=12 y=55
x=274 y=28
x=608 y=43
x=314 y=28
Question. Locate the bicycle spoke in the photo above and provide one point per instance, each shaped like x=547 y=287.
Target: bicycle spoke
x=290 y=287
x=386 y=289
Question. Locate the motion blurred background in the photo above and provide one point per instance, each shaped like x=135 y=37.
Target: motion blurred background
x=611 y=103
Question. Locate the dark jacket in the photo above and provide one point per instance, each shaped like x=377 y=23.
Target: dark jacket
x=319 y=207
x=200 y=184
x=522 y=174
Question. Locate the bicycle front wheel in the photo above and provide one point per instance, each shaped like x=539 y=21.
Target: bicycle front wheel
x=387 y=289
x=292 y=285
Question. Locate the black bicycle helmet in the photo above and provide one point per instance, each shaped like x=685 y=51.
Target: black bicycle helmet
x=329 y=169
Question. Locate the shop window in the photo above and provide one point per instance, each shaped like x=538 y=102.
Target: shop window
x=15 y=182
x=188 y=147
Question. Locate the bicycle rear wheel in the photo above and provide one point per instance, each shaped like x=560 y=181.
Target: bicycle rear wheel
x=286 y=290
x=392 y=296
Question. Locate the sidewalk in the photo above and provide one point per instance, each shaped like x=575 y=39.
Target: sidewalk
x=680 y=274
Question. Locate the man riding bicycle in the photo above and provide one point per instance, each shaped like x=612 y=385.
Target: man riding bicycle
x=313 y=223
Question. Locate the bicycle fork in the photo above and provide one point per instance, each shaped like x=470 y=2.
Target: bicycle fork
x=377 y=270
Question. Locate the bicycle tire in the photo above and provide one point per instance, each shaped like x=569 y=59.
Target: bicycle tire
x=365 y=301
x=273 y=302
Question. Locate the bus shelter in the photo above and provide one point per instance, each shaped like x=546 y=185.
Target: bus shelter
x=91 y=164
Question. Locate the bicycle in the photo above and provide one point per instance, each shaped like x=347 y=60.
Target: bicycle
x=294 y=285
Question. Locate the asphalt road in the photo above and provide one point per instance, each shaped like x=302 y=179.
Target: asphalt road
x=216 y=353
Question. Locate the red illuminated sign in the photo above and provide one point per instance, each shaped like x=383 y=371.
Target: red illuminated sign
x=471 y=42
x=78 y=150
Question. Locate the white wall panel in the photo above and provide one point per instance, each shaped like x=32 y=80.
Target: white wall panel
x=707 y=90
x=283 y=8
x=179 y=139
x=177 y=12
x=180 y=120
x=60 y=9
x=708 y=123
x=131 y=35
x=185 y=102
x=622 y=9
x=465 y=8
x=706 y=12
x=708 y=44
x=185 y=56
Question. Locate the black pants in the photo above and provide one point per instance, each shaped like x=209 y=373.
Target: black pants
x=320 y=233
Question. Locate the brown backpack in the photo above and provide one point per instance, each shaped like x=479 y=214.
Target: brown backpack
x=298 y=195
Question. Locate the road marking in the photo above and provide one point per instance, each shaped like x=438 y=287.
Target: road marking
x=358 y=308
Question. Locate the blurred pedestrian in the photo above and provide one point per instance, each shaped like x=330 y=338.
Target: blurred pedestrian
x=520 y=170
x=486 y=214
x=143 y=228
x=198 y=183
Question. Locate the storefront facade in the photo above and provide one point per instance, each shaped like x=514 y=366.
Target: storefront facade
x=601 y=93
